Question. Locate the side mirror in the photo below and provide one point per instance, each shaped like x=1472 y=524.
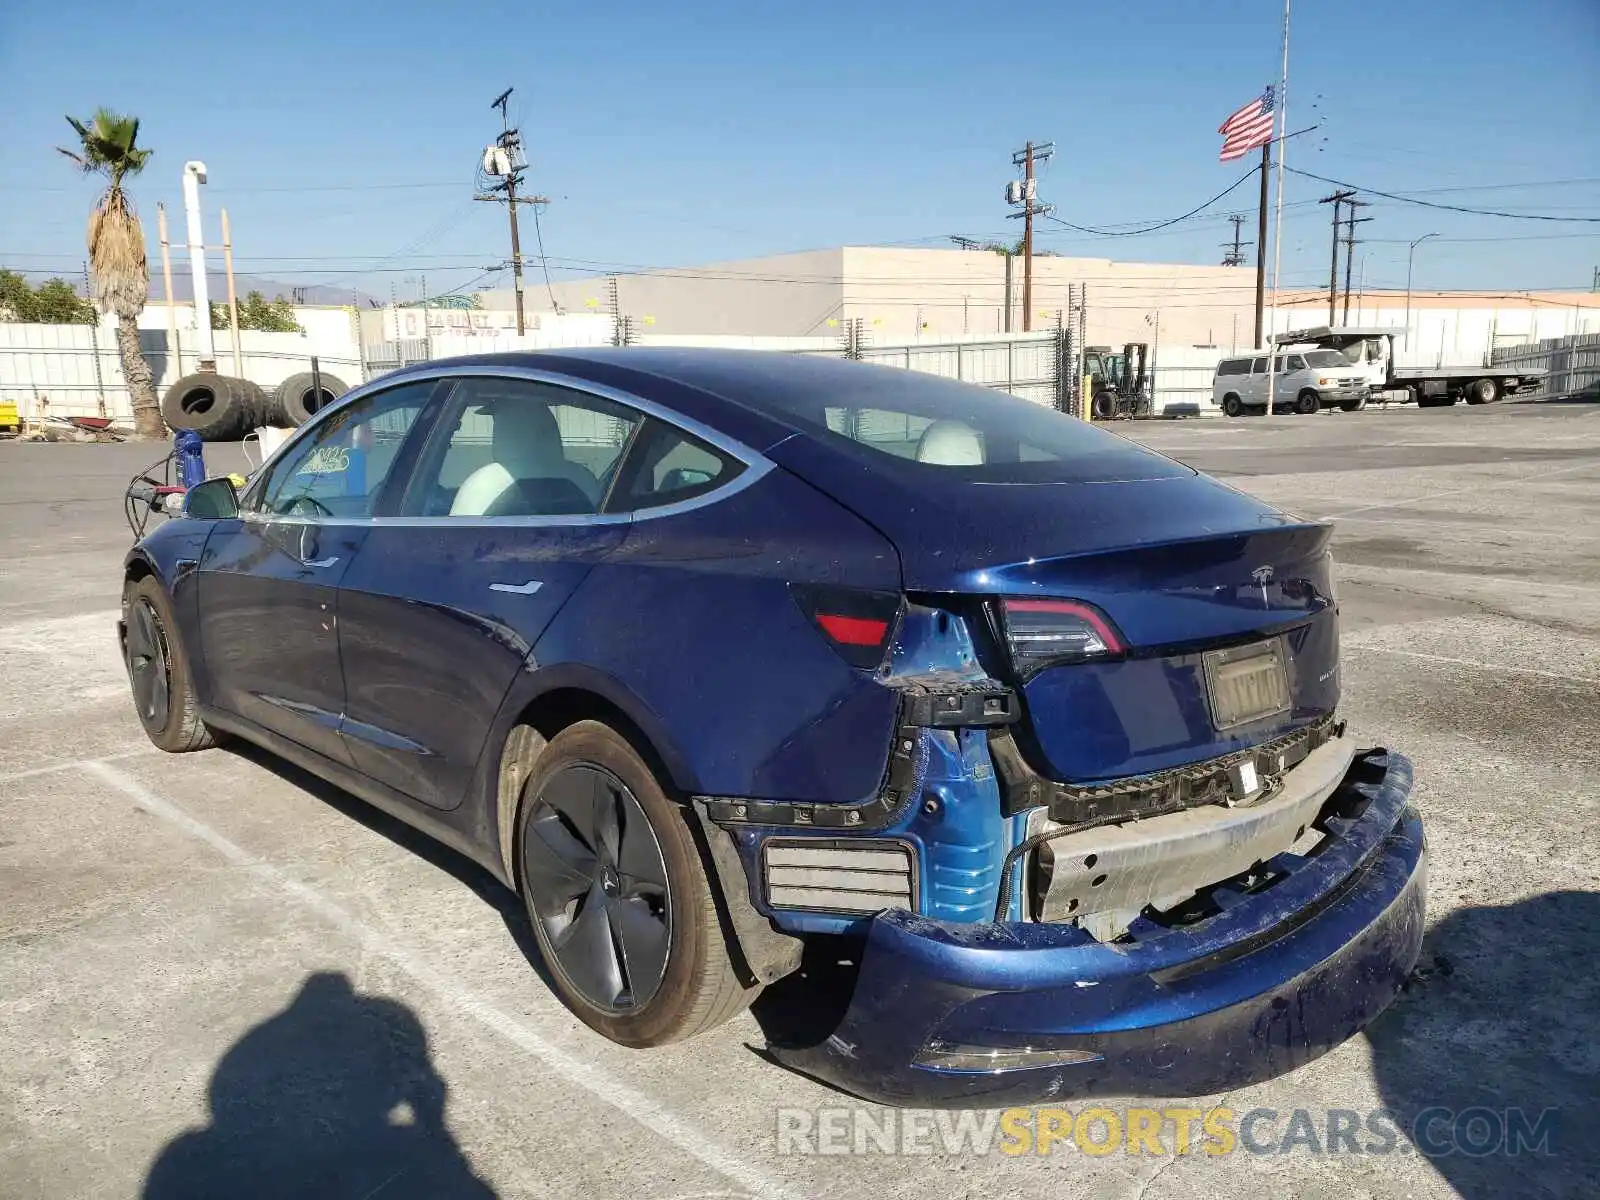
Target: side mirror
x=212 y=500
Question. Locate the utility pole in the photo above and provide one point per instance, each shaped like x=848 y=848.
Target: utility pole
x=1337 y=199
x=1350 y=244
x=1025 y=193
x=1235 y=256
x=504 y=162
x=1261 y=246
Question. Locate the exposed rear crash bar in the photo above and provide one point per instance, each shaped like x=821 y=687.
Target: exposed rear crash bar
x=1162 y=860
x=1209 y=782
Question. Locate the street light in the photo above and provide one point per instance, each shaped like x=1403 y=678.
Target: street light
x=1409 y=253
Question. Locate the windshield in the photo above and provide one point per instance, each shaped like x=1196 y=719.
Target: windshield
x=1326 y=358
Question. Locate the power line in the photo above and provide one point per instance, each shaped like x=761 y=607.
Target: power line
x=1477 y=212
x=544 y=260
x=1250 y=174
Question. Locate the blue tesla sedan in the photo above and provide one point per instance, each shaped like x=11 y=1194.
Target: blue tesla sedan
x=712 y=655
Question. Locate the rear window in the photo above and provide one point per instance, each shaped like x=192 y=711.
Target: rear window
x=959 y=430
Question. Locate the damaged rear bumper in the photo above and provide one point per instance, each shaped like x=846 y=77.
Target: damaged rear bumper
x=1270 y=981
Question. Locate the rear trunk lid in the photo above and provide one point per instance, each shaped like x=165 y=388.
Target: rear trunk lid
x=1205 y=585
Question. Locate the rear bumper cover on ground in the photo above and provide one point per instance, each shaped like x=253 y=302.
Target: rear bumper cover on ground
x=1270 y=982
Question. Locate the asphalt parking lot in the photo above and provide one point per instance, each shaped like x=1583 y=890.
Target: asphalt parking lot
x=212 y=965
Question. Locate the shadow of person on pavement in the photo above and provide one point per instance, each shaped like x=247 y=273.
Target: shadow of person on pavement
x=334 y=1096
x=1490 y=1062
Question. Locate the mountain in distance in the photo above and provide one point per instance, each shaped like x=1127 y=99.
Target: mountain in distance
x=217 y=285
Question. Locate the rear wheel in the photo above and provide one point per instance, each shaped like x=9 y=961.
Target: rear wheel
x=1483 y=391
x=1232 y=406
x=618 y=895
x=158 y=669
x=1307 y=402
x=1105 y=406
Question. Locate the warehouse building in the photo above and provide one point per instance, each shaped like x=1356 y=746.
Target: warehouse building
x=929 y=295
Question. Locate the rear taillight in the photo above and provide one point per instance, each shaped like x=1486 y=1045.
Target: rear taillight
x=857 y=624
x=1042 y=633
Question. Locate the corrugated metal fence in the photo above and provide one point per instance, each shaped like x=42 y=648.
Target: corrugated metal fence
x=1572 y=363
x=77 y=371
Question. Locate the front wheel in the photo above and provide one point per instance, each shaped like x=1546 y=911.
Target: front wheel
x=1483 y=391
x=621 y=906
x=1105 y=406
x=1307 y=402
x=1232 y=406
x=158 y=670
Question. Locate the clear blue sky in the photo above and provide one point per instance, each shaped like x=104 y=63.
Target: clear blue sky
x=342 y=138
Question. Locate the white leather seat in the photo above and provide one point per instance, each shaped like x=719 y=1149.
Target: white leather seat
x=950 y=444
x=525 y=445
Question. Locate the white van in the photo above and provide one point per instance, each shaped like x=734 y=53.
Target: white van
x=1308 y=380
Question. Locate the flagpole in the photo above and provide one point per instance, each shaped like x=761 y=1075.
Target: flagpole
x=1277 y=221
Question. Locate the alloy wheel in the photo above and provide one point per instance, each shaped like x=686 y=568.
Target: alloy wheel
x=596 y=881
x=148 y=666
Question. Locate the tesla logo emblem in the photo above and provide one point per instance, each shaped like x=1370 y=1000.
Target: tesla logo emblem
x=1262 y=576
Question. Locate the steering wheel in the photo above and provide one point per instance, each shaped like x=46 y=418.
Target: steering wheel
x=301 y=505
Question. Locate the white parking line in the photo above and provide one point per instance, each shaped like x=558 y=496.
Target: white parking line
x=597 y=1082
x=1469 y=662
x=76 y=764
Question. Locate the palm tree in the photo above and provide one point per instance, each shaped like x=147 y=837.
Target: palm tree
x=108 y=146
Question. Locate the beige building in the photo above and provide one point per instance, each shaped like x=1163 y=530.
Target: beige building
x=908 y=295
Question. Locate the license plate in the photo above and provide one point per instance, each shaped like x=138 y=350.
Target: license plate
x=1246 y=683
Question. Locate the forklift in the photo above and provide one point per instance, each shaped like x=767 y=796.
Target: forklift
x=1119 y=383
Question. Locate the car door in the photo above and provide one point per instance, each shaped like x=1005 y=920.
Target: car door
x=498 y=525
x=1291 y=377
x=268 y=580
x=1255 y=388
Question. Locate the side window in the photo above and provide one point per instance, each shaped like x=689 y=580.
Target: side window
x=340 y=467
x=516 y=448
x=1296 y=363
x=668 y=466
x=1259 y=366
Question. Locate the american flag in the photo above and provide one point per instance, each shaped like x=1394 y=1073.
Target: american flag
x=1248 y=128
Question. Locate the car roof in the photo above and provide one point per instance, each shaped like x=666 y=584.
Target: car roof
x=741 y=392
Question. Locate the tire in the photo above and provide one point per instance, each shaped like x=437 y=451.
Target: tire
x=1231 y=406
x=296 y=401
x=158 y=671
x=220 y=408
x=644 y=883
x=1105 y=406
x=1483 y=391
x=1307 y=403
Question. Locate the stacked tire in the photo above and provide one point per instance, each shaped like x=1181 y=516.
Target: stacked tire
x=220 y=408
x=223 y=408
x=298 y=398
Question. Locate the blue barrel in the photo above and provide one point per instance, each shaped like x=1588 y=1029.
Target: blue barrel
x=189 y=449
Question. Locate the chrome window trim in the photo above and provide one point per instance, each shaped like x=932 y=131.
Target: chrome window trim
x=756 y=465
